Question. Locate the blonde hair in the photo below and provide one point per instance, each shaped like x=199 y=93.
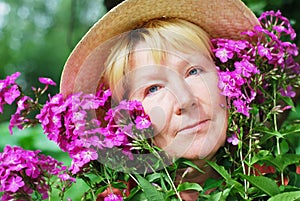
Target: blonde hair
x=159 y=35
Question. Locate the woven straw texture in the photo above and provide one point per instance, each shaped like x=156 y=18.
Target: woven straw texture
x=219 y=18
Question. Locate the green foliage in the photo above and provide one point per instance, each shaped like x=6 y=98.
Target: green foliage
x=36 y=37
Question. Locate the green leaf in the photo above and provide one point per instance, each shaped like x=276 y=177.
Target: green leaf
x=260 y=156
x=190 y=164
x=150 y=191
x=221 y=170
x=140 y=196
x=119 y=185
x=267 y=133
x=154 y=176
x=265 y=184
x=292 y=129
x=282 y=161
x=189 y=186
x=289 y=101
x=221 y=196
x=212 y=183
x=284 y=147
x=290 y=196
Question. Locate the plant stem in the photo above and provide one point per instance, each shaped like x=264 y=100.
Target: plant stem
x=168 y=175
x=244 y=172
x=173 y=185
x=276 y=129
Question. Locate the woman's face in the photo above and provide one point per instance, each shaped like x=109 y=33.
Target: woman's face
x=182 y=98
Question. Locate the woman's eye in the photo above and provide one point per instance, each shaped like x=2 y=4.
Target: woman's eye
x=152 y=89
x=194 y=71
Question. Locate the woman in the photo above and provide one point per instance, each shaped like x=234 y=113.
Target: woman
x=159 y=52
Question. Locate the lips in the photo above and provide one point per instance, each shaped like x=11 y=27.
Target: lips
x=194 y=128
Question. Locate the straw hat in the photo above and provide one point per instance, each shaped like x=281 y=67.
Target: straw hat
x=219 y=18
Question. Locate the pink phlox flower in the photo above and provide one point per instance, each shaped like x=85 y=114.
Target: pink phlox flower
x=1 y=104
x=245 y=68
x=223 y=54
x=79 y=127
x=103 y=96
x=241 y=107
x=270 y=18
x=288 y=92
x=76 y=166
x=115 y=139
x=109 y=115
x=11 y=94
x=233 y=139
x=250 y=33
x=264 y=52
x=37 y=167
x=279 y=28
x=94 y=141
x=90 y=101
x=14 y=184
x=142 y=122
x=9 y=80
x=230 y=83
x=46 y=81
x=16 y=120
x=291 y=48
x=237 y=46
x=113 y=197
x=286 y=107
x=252 y=96
x=127 y=129
x=32 y=170
x=85 y=141
x=23 y=103
x=127 y=105
x=67 y=177
x=88 y=155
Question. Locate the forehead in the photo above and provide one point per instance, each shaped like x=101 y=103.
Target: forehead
x=143 y=56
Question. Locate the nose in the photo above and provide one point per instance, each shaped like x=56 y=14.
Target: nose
x=185 y=98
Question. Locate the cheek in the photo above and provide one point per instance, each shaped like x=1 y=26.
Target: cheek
x=211 y=90
x=158 y=114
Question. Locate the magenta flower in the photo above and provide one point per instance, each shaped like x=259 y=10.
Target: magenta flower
x=47 y=81
x=223 y=54
x=14 y=184
x=19 y=165
x=142 y=122
x=264 y=52
x=288 y=92
x=233 y=139
x=113 y=197
x=230 y=83
x=11 y=94
x=9 y=80
x=241 y=107
x=115 y=139
x=245 y=68
x=88 y=155
x=16 y=120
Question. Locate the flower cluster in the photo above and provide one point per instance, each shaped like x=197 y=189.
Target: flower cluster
x=25 y=104
x=9 y=90
x=259 y=76
x=73 y=124
x=23 y=173
x=247 y=67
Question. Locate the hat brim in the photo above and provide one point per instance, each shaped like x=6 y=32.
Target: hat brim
x=219 y=18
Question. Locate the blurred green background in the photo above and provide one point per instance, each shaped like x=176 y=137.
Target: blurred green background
x=36 y=37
